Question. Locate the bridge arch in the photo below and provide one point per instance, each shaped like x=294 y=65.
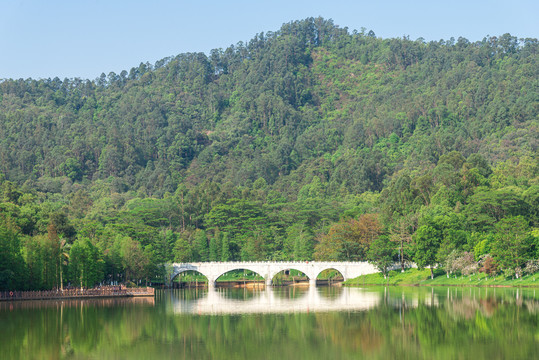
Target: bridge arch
x=277 y=272
x=221 y=273
x=178 y=269
x=336 y=268
x=298 y=266
x=181 y=271
x=329 y=276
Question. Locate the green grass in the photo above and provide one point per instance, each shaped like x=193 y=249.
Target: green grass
x=422 y=277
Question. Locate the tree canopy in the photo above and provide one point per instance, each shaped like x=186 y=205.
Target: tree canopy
x=308 y=142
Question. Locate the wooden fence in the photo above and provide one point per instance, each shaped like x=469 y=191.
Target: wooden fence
x=109 y=291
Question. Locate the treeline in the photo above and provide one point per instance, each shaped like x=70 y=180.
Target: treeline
x=306 y=143
x=461 y=215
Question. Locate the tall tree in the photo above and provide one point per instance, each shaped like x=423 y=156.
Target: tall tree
x=401 y=234
x=225 y=253
x=12 y=264
x=381 y=254
x=513 y=244
x=85 y=264
x=427 y=240
x=201 y=246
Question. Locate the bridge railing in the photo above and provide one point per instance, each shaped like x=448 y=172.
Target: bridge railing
x=276 y=262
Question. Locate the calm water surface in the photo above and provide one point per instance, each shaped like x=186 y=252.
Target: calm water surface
x=280 y=323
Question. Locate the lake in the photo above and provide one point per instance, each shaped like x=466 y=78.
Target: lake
x=279 y=323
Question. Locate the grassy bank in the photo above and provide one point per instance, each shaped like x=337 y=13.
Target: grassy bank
x=422 y=277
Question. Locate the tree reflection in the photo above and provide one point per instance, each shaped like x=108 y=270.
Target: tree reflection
x=419 y=323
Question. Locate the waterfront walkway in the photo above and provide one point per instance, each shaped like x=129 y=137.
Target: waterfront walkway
x=109 y=291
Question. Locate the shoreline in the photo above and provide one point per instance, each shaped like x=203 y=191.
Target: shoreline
x=446 y=285
x=415 y=277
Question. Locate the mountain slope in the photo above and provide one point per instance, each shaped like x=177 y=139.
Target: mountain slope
x=285 y=100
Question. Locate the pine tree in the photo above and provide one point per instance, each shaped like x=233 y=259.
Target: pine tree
x=201 y=245
x=225 y=253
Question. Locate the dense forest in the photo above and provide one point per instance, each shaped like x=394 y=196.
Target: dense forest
x=311 y=142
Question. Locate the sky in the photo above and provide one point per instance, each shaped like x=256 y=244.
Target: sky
x=84 y=38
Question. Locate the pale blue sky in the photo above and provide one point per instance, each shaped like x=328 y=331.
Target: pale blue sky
x=83 y=38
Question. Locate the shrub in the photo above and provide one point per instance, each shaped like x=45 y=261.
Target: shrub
x=532 y=266
x=488 y=265
x=466 y=263
x=509 y=273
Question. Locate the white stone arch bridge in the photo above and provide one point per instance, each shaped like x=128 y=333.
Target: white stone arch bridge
x=268 y=269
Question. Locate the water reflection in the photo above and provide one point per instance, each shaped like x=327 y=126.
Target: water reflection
x=353 y=323
x=275 y=300
x=69 y=303
x=309 y=299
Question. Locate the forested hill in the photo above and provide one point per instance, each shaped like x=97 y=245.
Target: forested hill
x=309 y=98
x=270 y=140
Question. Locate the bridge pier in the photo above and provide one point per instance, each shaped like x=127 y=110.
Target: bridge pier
x=268 y=281
x=312 y=282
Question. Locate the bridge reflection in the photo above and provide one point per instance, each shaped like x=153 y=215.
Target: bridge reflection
x=275 y=300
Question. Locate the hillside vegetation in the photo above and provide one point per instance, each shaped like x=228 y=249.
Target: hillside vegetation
x=310 y=142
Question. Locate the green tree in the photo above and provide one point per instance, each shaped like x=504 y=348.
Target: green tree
x=85 y=264
x=349 y=239
x=513 y=244
x=215 y=247
x=381 y=254
x=225 y=253
x=52 y=256
x=487 y=207
x=301 y=242
x=202 y=252
x=427 y=242
x=182 y=250
x=63 y=254
x=135 y=261
x=401 y=235
x=12 y=264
